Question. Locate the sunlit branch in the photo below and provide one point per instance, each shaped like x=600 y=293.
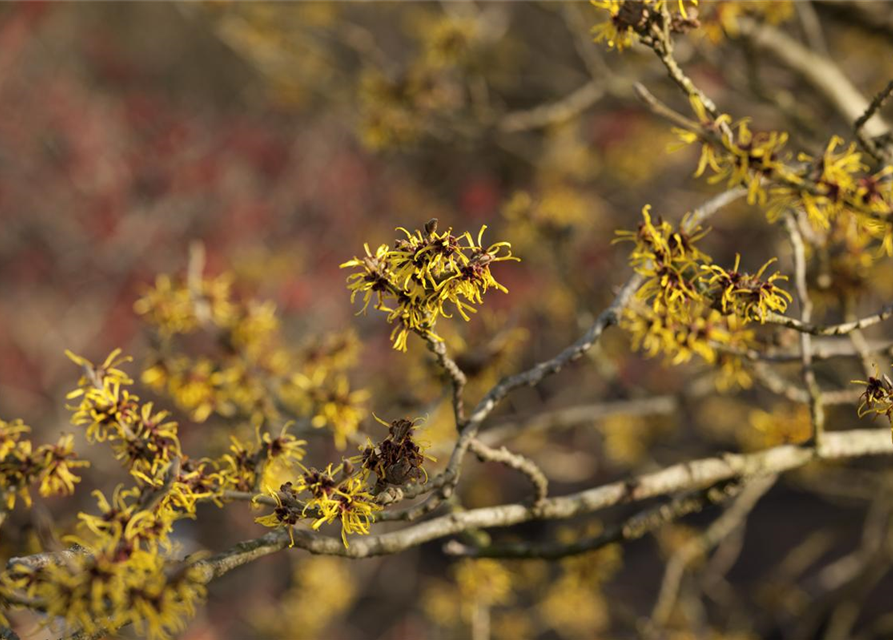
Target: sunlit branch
x=686 y=476
x=517 y=462
x=632 y=528
x=831 y=329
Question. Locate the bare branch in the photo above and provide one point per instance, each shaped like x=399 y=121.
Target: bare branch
x=562 y=110
x=812 y=27
x=685 y=476
x=821 y=350
x=515 y=461
x=456 y=376
x=632 y=528
x=812 y=386
x=716 y=532
x=567 y=417
x=833 y=329
x=40 y=560
x=819 y=71
x=662 y=110
x=879 y=152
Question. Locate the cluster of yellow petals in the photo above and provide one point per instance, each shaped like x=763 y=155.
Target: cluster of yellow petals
x=254 y=374
x=346 y=492
x=425 y=276
x=833 y=185
x=332 y=494
x=22 y=464
x=688 y=306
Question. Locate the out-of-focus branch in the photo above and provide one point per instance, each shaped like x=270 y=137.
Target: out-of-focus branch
x=733 y=518
x=456 y=375
x=819 y=71
x=825 y=350
x=840 y=588
x=857 y=338
x=8 y=634
x=816 y=411
x=777 y=384
x=567 y=417
x=861 y=14
x=578 y=25
x=662 y=110
x=812 y=27
x=562 y=110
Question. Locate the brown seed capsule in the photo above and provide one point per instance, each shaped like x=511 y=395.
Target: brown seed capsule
x=431 y=226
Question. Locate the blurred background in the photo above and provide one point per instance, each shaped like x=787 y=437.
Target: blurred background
x=282 y=137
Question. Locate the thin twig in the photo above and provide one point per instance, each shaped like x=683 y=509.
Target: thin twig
x=844 y=328
x=816 y=411
x=456 y=375
x=734 y=517
x=662 y=110
x=556 y=112
x=825 y=350
x=567 y=417
x=879 y=152
x=515 y=461
x=819 y=71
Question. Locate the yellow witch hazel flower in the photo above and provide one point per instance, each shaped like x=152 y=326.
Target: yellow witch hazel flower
x=56 y=462
x=21 y=464
x=736 y=154
x=680 y=340
x=722 y=19
x=144 y=440
x=106 y=589
x=345 y=492
x=424 y=276
x=877 y=398
x=629 y=18
x=399 y=458
x=176 y=306
x=329 y=400
x=746 y=295
x=331 y=498
x=662 y=243
x=482 y=582
x=824 y=187
x=693 y=307
x=355 y=508
x=123 y=521
x=833 y=178
x=669 y=260
x=783 y=425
